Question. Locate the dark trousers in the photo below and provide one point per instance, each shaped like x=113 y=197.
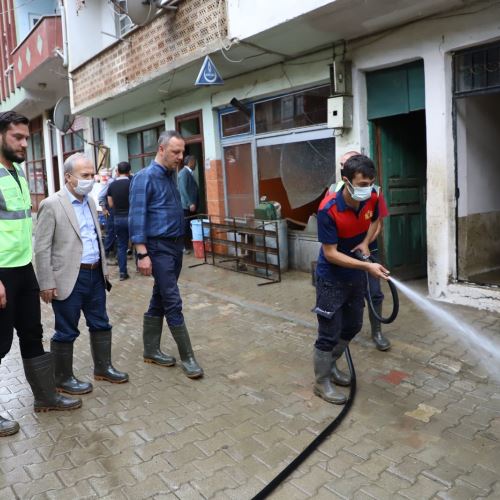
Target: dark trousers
x=166 y=257
x=121 y=230
x=344 y=302
x=188 y=235
x=89 y=296
x=375 y=290
x=22 y=312
x=110 y=239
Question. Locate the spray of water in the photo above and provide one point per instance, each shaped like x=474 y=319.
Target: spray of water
x=487 y=350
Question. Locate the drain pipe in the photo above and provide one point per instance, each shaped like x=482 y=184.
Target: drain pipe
x=62 y=10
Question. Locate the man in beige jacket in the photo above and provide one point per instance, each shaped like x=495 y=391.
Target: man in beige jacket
x=72 y=274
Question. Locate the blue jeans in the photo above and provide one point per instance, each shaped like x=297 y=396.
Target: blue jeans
x=121 y=230
x=166 y=258
x=109 y=240
x=344 y=302
x=89 y=296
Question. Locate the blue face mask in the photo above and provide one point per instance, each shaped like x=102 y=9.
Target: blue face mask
x=360 y=193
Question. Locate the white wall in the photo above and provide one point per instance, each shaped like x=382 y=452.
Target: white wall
x=85 y=27
x=25 y=10
x=433 y=40
x=249 y=17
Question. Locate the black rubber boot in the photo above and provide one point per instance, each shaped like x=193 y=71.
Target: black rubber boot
x=381 y=343
x=63 y=369
x=151 y=336
x=39 y=373
x=338 y=376
x=100 y=347
x=8 y=427
x=323 y=386
x=188 y=362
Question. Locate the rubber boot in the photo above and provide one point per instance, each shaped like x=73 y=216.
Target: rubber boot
x=323 y=386
x=39 y=373
x=381 y=343
x=151 y=336
x=63 y=369
x=188 y=362
x=8 y=427
x=338 y=376
x=100 y=347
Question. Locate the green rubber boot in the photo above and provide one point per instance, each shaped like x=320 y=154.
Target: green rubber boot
x=188 y=362
x=151 y=336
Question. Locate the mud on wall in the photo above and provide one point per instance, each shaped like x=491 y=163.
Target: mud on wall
x=478 y=243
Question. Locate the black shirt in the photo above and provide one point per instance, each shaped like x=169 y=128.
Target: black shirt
x=118 y=190
x=14 y=174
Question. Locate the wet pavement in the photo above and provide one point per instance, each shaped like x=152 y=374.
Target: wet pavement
x=425 y=422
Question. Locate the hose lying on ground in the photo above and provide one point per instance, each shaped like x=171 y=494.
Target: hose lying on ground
x=270 y=487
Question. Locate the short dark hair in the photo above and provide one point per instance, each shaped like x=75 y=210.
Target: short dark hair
x=11 y=117
x=188 y=158
x=166 y=135
x=359 y=164
x=123 y=167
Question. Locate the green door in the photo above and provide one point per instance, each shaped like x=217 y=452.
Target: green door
x=400 y=156
x=396 y=114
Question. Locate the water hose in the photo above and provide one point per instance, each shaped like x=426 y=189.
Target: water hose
x=277 y=480
x=395 y=297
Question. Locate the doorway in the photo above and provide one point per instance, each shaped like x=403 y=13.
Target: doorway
x=190 y=126
x=396 y=113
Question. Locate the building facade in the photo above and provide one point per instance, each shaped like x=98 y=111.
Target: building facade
x=425 y=96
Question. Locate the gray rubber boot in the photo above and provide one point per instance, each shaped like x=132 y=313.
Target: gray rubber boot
x=8 y=427
x=100 y=347
x=63 y=369
x=151 y=336
x=323 y=386
x=338 y=376
x=381 y=343
x=39 y=373
x=188 y=362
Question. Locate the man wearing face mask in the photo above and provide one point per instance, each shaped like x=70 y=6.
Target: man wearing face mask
x=382 y=343
x=19 y=292
x=72 y=273
x=347 y=220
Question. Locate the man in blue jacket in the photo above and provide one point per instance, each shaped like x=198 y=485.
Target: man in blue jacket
x=189 y=196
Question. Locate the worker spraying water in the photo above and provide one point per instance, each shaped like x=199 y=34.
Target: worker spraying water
x=347 y=223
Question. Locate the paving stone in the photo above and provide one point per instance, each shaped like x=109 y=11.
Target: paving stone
x=408 y=469
x=47 y=483
x=373 y=466
x=79 y=491
x=72 y=476
x=308 y=483
x=423 y=488
x=146 y=489
x=481 y=477
x=112 y=481
x=213 y=485
x=461 y=491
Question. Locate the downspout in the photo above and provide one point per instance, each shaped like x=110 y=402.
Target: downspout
x=64 y=33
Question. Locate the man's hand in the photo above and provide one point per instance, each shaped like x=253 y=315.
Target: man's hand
x=192 y=208
x=105 y=211
x=145 y=266
x=48 y=295
x=3 y=296
x=378 y=271
x=363 y=246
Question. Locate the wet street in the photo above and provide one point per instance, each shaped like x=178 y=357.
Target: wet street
x=425 y=423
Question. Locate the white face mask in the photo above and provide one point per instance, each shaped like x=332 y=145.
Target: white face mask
x=360 y=193
x=84 y=186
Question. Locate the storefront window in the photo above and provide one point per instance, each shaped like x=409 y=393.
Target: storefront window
x=297 y=110
x=235 y=123
x=142 y=146
x=73 y=143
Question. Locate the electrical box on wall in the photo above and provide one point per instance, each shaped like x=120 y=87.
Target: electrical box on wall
x=340 y=77
x=340 y=111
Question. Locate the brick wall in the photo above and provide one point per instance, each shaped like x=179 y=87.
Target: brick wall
x=171 y=38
